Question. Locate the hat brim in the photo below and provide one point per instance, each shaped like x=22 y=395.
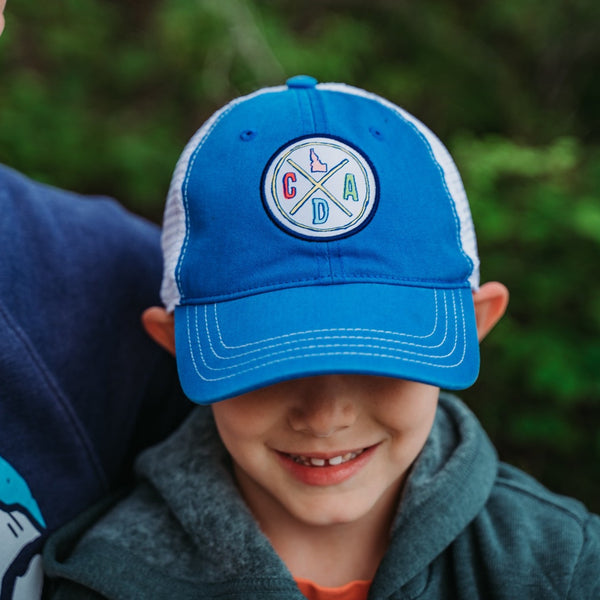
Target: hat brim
x=422 y=334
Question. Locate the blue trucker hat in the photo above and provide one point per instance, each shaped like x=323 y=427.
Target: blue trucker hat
x=313 y=229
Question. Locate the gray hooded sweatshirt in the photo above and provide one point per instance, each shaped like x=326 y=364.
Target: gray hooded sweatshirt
x=467 y=527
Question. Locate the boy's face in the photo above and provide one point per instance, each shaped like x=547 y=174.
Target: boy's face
x=325 y=450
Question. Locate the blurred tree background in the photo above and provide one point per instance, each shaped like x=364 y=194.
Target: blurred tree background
x=100 y=96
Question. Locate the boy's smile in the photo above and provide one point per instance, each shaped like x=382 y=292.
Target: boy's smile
x=325 y=450
x=328 y=468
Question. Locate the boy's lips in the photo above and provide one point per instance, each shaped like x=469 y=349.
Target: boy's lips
x=326 y=468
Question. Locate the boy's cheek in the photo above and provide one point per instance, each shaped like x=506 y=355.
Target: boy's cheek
x=407 y=445
x=233 y=415
x=411 y=408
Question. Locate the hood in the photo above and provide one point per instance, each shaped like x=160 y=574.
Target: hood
x=186 y=526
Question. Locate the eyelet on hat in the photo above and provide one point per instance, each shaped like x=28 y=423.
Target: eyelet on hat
x=247 y=135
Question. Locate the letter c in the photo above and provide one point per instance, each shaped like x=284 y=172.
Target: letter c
x=289 y=191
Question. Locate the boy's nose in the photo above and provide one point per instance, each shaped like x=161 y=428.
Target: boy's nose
x=325 y=406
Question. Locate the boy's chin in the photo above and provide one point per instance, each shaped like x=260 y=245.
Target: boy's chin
x=331 y=509
x=332 y=513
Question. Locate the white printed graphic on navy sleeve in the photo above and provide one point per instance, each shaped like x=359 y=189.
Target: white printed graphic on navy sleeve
x=319 y=188
x=21 y=524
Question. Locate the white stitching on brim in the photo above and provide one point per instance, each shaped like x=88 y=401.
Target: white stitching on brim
x=344 y=330
x=401 y=355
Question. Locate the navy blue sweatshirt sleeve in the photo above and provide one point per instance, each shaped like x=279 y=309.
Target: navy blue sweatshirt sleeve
x=82 y=388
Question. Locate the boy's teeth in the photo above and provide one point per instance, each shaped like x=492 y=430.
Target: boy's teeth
x=324 y=462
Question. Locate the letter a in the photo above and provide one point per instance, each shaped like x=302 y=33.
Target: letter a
x=350 y=188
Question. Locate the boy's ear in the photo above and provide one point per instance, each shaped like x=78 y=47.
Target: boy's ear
x=490 y=302
x=160 y=326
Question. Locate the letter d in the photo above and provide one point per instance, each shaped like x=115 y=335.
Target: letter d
x=320 y=211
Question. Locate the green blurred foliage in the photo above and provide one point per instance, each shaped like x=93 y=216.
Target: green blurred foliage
x=100 y=96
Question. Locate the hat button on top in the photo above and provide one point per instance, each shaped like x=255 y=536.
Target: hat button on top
x=301 y=81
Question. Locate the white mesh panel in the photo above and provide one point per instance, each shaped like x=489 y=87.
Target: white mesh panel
x=466 y=231
x=174 y=220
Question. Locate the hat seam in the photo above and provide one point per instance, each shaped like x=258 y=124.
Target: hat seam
x=185 y=199
x=303 y=100
x=387 y=280
x=318 y=111
x=457 y=226
x=329 y=262
x=225 y=110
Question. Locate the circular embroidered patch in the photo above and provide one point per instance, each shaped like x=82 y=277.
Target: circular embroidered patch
x=319 y=187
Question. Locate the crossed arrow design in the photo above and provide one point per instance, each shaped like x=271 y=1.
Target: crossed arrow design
x=318 y=185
